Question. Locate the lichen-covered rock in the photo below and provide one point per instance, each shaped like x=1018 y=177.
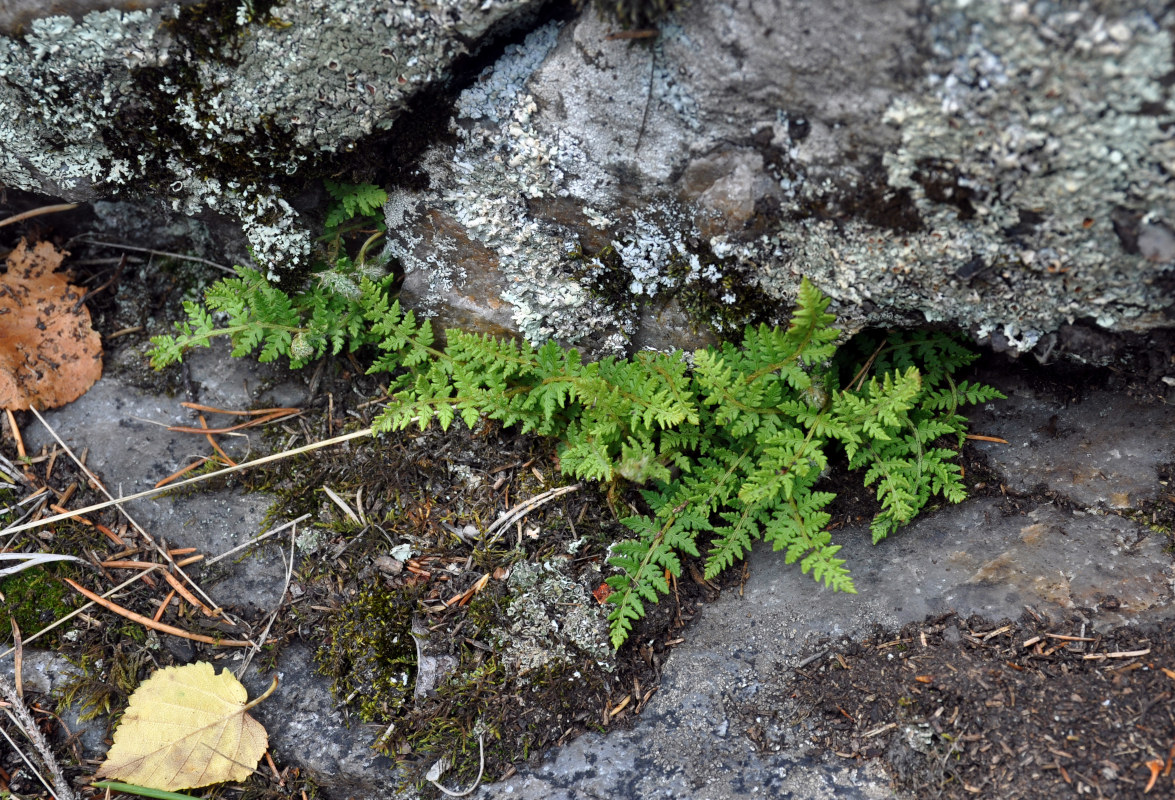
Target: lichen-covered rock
x=16 y=14
x=552 y=622
x=1000 y=167
x=220 y=106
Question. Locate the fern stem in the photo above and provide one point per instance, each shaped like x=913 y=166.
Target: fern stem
x=233 y=329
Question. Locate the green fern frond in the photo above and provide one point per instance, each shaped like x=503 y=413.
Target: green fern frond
x=352 y=200
x=729 y=447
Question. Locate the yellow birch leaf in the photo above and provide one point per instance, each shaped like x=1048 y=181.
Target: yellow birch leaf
x=186 y=727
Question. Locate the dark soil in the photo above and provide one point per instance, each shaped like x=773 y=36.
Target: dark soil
x=1030 y=709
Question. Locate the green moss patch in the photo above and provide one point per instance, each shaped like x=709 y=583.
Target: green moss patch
x=34 y=598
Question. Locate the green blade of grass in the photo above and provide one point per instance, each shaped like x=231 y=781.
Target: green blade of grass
x=142 y=791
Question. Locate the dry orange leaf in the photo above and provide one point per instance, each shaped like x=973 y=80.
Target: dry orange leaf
x=49 y=354
x=186 y=727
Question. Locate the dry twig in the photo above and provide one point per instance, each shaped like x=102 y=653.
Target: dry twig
x=20 y=715
x=147 y=622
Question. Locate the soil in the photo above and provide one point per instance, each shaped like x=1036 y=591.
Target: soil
x=955 y=708
x=1034 y=708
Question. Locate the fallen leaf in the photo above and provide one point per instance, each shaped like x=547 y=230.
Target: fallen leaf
x=186 y=727
x=49 y=354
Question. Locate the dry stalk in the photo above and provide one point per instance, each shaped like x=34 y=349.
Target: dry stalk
x=28 y=726
x=40 y=523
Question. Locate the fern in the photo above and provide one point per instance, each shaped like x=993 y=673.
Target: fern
x=729 y=450
x=330 y=315
x=352 y=201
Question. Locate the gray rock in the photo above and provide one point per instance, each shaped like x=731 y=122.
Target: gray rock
x=217 y=108
x=132 y=449
x=919 y=162
x=307 y=728
x=718 y=727
x=43 y=672
x=721 y=689
x=1101 y=453
x=964 y=171
x=15 y=15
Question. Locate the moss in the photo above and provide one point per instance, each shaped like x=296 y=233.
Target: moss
x=716 y=294
x=638 y=13
x=34 y=598
x=371 y=654
x=105 y=678
x=604 y=274
x=721 y=295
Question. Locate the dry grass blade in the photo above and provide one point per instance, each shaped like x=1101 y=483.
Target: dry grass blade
x=978 y=437
x=441 y=766
x=522 y=509
x=256 y=539
x=258 y=412
x=179 y=473
x=23 y=757
x=11 y=475
x=40 y=523
x=341 y=503
x=179 y=256
x=31 y=560
x=271 y=415
x=281 y=601
x=36 y=212
x=59 y=622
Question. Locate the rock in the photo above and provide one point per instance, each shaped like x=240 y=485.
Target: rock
x=1080 y=453
x=719 y=725
x=921 y=164
x=724 y=723
x=308 y=728
x=15 y=15
x=44 y=672
x=959 y=172
x=220 y=106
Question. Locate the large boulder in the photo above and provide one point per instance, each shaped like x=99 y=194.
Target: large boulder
x=223 y=105
x=1003 y=168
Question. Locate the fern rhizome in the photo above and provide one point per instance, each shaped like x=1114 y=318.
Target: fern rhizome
x=729 y=443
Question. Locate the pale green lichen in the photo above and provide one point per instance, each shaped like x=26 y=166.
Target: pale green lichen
x=553 y=622
x=1037 y=126
x=501 y=163
x=505 y=159
x=989 y=192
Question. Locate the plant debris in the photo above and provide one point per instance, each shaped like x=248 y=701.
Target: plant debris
x=49 y=354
